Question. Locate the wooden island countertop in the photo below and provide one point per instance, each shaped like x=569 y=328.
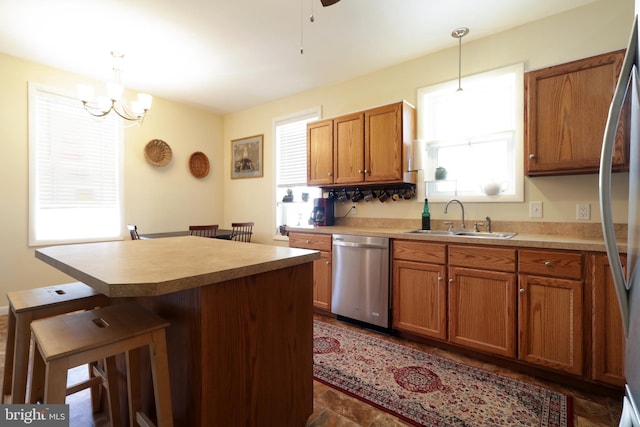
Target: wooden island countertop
x=240 y=339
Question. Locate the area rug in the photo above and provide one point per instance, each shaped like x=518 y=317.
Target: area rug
x=428 y=390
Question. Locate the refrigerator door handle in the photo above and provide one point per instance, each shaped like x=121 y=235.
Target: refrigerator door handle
x=626 y=76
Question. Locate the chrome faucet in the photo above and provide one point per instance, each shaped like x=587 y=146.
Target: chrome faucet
x=461 y=207
x=488 y=223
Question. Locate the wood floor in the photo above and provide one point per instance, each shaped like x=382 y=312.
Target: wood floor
x=332 y=408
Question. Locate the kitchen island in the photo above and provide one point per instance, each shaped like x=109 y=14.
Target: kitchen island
x=241 y=335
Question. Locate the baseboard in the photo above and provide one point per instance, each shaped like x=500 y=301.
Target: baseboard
x=4 y=310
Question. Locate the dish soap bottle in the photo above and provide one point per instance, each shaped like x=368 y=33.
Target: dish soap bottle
x=426 y=216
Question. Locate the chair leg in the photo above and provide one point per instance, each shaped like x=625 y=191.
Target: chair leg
x=161 y=381
x=96 y=390
x=7 y=379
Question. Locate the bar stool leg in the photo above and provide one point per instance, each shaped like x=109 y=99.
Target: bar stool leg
x=161 y=382
x=38 y=368
x=55 y=384
x=113 y=397
x=21 y=358
x=7 y=379
x=133 y=384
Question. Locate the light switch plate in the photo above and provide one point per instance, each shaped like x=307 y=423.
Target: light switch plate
x=535 y=209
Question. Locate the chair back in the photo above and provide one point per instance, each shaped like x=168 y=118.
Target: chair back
x=241 y=231
x=133 y=232
x=203 y=230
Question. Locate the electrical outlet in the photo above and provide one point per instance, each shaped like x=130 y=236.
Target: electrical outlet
x=583 y=211
x=354 y=210
x=535 y=209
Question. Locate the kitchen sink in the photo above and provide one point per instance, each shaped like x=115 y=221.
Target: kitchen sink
x=465 y=233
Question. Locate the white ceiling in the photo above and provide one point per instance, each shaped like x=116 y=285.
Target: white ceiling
x=228 y=55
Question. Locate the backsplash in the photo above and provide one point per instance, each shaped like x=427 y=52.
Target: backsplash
x=588 y=230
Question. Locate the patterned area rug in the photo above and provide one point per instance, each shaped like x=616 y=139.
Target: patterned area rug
x=428 y=390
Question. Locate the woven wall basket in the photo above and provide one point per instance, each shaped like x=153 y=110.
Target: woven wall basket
x=157 y=152
x=199 y=164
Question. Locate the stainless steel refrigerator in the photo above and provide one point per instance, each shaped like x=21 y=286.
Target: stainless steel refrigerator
x=627 y=282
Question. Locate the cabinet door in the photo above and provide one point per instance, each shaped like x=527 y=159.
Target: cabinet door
x=550 y=314
x=322 y=281
x=383 y=143
x=566 y=111
x=608 y=341
x=419 y=298
x=482 y=310
x=348 y=148
x=320 y=152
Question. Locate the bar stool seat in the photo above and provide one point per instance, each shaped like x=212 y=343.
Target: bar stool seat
x=31 y=304
x=64 y=342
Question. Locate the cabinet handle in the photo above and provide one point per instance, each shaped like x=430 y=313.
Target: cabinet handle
x=451 y=281
x=522 y=291
x=329 y=174
x=366 y=171
x=328 y=262
x=532 y=156
x=360 y=171
x=548 y=264
x=308 y=241
x=439 y=279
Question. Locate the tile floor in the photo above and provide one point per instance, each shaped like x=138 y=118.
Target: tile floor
x=332 y=408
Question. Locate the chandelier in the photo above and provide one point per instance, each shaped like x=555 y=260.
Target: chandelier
x=113 y=102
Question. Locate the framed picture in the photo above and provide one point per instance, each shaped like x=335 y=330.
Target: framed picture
x=246 y=157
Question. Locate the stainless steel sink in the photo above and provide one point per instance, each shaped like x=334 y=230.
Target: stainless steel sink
x=465 y=233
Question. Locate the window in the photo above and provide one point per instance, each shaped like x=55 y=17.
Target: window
x=75 y=171
x=474 y=137
x=294 y=200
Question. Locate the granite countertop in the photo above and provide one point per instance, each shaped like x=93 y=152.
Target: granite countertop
x=153 y=267
x=557 y=236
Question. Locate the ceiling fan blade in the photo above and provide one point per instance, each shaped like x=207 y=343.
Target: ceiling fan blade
x=326 y=3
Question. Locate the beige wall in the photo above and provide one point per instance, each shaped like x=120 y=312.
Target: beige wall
x=597 y=28
x=156 y=199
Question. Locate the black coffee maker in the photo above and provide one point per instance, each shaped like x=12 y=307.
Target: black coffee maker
x=322 y=213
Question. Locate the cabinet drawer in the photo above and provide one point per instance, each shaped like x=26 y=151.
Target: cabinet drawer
x=551 y=263
x=318 y=242
x=433 y=253
x=483 y=257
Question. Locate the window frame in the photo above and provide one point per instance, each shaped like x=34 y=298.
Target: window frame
x=35 y=90
x=518 y=137
x=279 y=190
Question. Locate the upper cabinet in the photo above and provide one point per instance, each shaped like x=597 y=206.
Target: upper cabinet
x=566 y=109
x=372 y=146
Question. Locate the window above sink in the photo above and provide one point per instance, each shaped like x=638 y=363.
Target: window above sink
x=473 y=139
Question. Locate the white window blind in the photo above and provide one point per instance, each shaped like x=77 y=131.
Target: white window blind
x=291 y=141
x=75 y=179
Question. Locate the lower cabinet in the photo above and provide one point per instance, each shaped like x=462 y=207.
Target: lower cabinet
x=321 y=267
x=482 y=299
x=419 y=288
x=607 y=334
x=551 y=309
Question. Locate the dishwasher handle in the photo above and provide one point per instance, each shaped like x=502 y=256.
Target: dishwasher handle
x=358 y=245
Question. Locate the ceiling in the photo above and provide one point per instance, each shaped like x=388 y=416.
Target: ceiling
x=229 y=55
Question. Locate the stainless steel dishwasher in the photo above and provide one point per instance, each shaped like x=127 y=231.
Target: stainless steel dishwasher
x=360 y=285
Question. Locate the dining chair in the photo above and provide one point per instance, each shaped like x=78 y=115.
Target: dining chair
x=203 y=230
x=241 y=231
x=133 y=231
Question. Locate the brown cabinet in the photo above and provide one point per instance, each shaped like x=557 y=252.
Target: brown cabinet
x=371 y=146
x=607 y=334
x=550 y=309
x=321 y=267
x=482 y=298
x=566 y=108
x=419 y=288
x=320 y=153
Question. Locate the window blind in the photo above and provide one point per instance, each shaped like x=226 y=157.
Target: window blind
x=75 y=170
x=291 y=141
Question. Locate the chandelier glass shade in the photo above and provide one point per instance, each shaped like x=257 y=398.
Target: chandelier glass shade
x=113 y=100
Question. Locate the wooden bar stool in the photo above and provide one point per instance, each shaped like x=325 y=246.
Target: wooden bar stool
x=26 y=306
x=64 y=342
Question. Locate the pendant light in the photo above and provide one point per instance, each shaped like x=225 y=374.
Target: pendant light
x=459 y=33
